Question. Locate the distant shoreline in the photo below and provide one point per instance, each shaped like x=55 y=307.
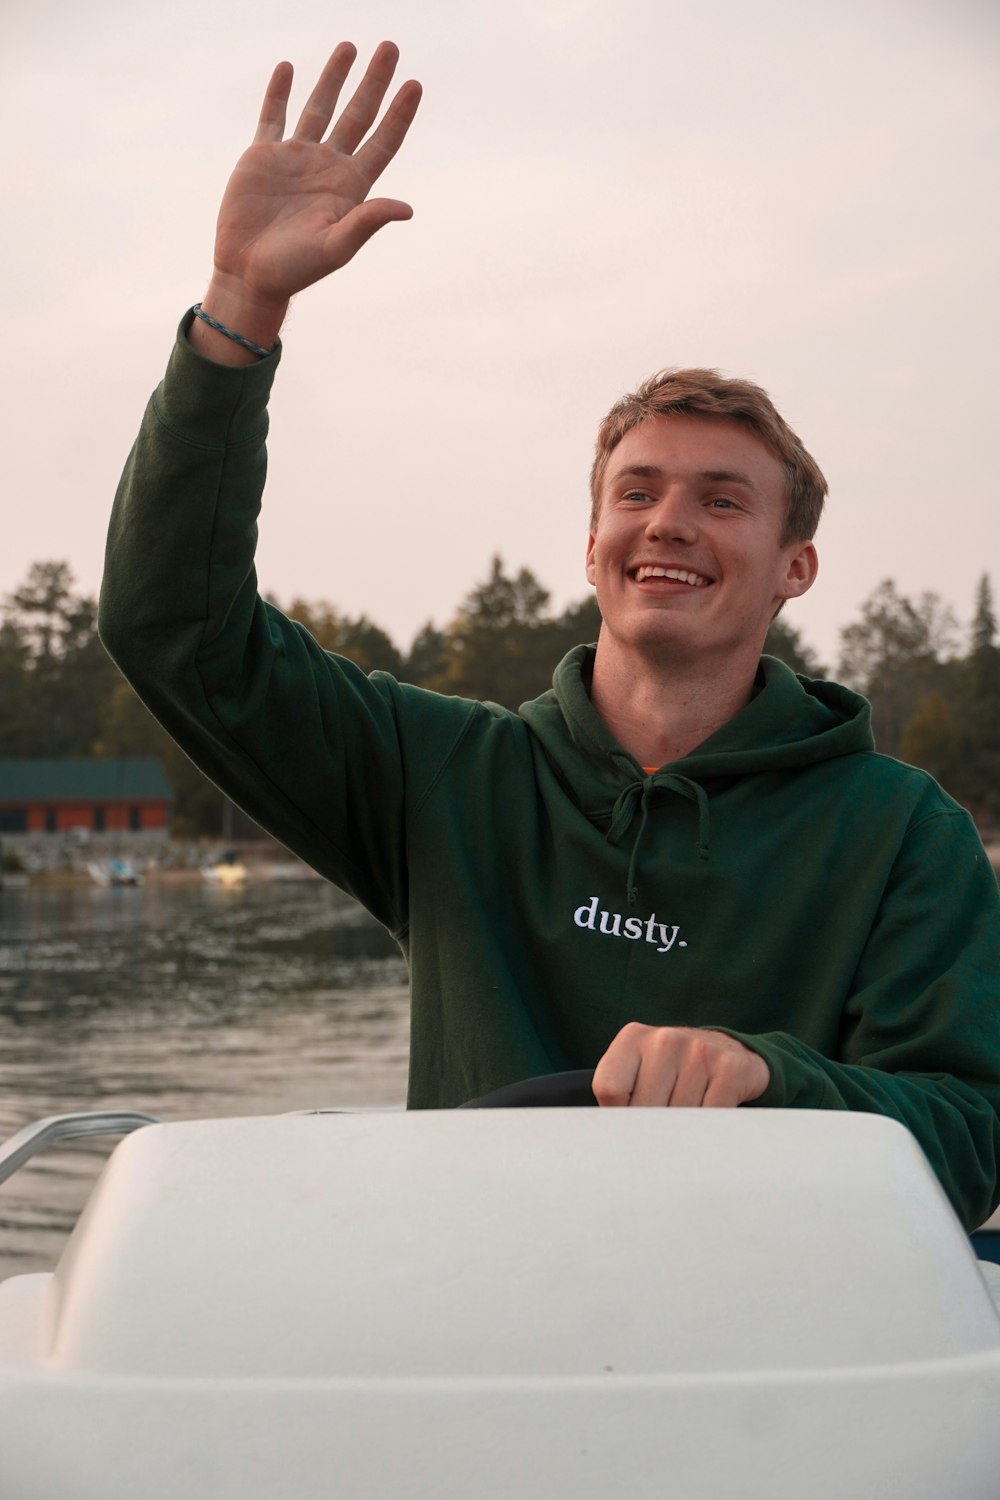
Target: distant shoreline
x=257 y=874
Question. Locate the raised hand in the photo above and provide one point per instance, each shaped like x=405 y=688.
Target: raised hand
x=297 y=209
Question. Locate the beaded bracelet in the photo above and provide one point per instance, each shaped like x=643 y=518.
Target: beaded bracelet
x=237 y=338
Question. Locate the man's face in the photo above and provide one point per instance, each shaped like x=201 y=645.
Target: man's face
x=687 y=554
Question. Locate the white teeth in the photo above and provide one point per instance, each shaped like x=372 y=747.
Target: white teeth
x=680 y=574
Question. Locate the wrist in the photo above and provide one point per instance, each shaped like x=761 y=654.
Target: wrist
x=256 y=321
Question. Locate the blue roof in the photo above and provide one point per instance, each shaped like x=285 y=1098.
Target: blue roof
x=125 y=780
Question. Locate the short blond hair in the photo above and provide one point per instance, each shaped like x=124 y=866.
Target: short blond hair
x=706 y=393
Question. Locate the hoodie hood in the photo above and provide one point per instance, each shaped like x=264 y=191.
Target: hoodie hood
x=790 y=722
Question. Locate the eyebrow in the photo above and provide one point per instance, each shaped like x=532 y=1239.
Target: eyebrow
x=710 y=476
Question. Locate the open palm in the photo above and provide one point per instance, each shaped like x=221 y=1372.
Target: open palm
x=297 y=209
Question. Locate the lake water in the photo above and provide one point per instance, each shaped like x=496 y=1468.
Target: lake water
x=184 y=1001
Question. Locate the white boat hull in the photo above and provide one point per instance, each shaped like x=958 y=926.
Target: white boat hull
x=507 y=1304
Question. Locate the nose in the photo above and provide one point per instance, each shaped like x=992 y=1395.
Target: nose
x=674 y=518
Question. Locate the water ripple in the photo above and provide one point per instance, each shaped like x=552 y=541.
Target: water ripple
x=186 y=1002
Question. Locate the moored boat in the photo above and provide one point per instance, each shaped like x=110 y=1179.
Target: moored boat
x=226 y=873
x=114 y=871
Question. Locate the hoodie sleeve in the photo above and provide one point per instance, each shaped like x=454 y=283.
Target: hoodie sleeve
x=288 y=730
x=921 y=1032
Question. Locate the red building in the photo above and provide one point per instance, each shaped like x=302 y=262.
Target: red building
x=101 y=796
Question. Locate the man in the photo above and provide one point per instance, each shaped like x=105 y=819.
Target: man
x=683 y=866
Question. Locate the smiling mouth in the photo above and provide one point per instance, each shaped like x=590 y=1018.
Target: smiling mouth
x=677 y=575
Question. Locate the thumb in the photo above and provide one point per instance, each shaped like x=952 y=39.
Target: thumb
x=356 y=228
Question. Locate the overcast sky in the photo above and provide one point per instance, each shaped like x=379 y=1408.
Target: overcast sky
x=800 y=191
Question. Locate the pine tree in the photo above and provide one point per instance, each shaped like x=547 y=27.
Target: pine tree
x=980 y=770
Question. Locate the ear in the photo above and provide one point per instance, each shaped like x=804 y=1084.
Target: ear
x=589 y=566
x=801 y=567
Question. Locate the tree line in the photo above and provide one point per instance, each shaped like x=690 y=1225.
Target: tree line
x=935 y=697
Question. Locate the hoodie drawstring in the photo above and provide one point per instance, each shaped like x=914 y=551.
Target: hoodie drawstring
x=623 y=813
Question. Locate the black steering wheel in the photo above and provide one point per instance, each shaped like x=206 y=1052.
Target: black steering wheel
x=561 y=1090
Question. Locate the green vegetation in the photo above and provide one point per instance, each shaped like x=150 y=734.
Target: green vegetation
x=932 y=703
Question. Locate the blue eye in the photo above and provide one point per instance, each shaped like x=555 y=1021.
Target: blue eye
x=724 y=500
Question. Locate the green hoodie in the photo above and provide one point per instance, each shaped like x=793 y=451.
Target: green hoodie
x=832 y=909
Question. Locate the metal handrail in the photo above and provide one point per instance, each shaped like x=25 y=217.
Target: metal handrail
x=28 y=1142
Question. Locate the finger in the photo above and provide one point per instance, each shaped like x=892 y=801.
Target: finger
x=723 y=1091
x=741 y=1075
x=376 y=154
x=657 y=1077
x=271 y=123
x=359 y=113
x=615 y=1074
x=691 y=1085
x=322 y=102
